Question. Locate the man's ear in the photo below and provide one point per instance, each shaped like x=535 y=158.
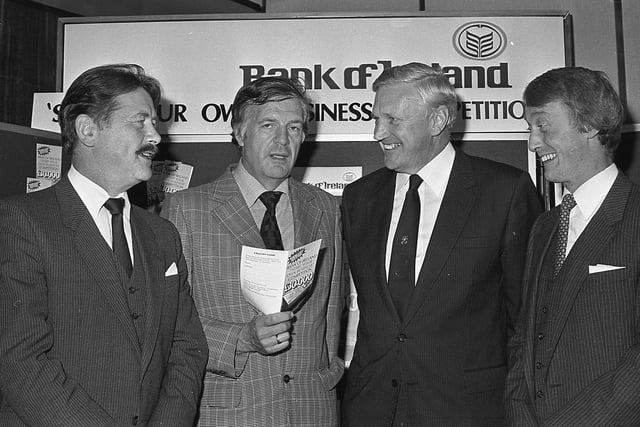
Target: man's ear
x=592 y=133
x=439 y=119
x=86 y=130
x=238 y=134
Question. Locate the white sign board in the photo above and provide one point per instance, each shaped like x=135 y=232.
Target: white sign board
x=202 y=63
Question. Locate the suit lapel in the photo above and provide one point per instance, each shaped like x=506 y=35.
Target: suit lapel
x=152 y=264
x=592 y=241
x=457 y=203
x=231 y=210
x=379 y=207
x=95 y=253
x=306 y=216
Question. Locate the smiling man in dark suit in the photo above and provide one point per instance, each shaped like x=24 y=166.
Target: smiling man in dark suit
x=577 y=347
x=436 y=244
x=97 y=325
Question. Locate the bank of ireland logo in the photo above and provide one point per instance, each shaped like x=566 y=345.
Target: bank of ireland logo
x=349 y=176
x=479 y=40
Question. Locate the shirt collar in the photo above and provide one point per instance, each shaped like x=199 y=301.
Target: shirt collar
x=250 y=187
x=435 y=174
x=92 y=195
x=589 y=196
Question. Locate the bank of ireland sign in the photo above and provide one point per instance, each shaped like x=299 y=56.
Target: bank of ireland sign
x=479 y=40
x=488 y=59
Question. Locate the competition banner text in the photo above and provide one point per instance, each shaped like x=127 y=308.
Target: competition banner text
x=202 y=64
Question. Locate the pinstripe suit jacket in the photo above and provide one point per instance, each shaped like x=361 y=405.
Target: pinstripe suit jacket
x=297 y=386
x=445 y=363
x=69 y=351
x=593 y=374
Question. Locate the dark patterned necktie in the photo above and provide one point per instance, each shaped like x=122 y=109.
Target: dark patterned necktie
x=120 y=246
x=403 y=252
x=568 y=202
x=269 y=230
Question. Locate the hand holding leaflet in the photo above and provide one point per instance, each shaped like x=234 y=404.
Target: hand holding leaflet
x=273 y=280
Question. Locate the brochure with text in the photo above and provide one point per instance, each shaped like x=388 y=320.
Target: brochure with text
x=274 y=280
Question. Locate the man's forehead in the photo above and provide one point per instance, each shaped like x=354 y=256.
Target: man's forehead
x=550 y=107
x=398 y=102
x=138 y=100
x=270 y=108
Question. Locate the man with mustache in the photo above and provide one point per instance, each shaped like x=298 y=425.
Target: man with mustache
x=577 y=346
x=438 y=294
x=97 y=325
x=277 y=369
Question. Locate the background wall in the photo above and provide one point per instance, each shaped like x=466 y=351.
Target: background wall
x=153 y=7
x=605 y=37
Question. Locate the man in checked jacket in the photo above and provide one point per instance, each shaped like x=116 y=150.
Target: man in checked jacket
x=279 y=369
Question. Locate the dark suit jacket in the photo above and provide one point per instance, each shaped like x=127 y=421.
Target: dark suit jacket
x=593 y=374
x=69 y=352
x=445 y=364
x=297 y=386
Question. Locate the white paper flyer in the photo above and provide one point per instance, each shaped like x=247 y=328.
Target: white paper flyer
x=273 y=280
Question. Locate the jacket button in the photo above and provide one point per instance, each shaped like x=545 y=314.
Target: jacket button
x=539 y=365
x=134 y=421
x=540 y=336
x=402 y=337
x=539 y=394
x=132 y=290
x=136 y=316
x=394 y=383
x=286 y=379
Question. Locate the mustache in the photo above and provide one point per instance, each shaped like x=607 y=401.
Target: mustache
x=148 y=148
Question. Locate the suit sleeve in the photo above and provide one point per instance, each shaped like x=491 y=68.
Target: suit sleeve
x=222 y=337
x=34 y=385
x=337 y=296
x=613 y=399
x=182 y=381
x=524 y=209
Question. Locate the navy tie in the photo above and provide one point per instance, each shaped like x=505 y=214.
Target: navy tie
x=269 y=230
x=120 y=246
x=568 y=202
x=403 y=252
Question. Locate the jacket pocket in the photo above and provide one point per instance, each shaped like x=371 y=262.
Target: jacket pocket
x=221 y=392
x=329 y=377
x=481 y=380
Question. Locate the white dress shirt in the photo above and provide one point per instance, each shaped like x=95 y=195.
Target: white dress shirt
x=435 y=176
x=93 y=196
x=589 y=197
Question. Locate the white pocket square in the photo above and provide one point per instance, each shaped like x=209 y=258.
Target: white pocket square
x=172 y=270
x=599 y=268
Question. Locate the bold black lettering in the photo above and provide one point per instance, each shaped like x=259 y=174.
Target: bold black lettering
x=519 y=105
x=454 y=73
x=355 y=112
x=320 y=77
x=205 y=113
x=307 y=76
x=367 y=109
x=468 y=77
x=251 y=72
x=179 y=110
x=498 y=76
x=161 y=117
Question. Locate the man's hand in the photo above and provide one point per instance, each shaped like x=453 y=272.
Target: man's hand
x=266 y=333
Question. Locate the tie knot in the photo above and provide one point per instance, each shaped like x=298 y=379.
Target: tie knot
x=114 y=205
x=414 y=182
x=568 y=202
x=270 y=198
